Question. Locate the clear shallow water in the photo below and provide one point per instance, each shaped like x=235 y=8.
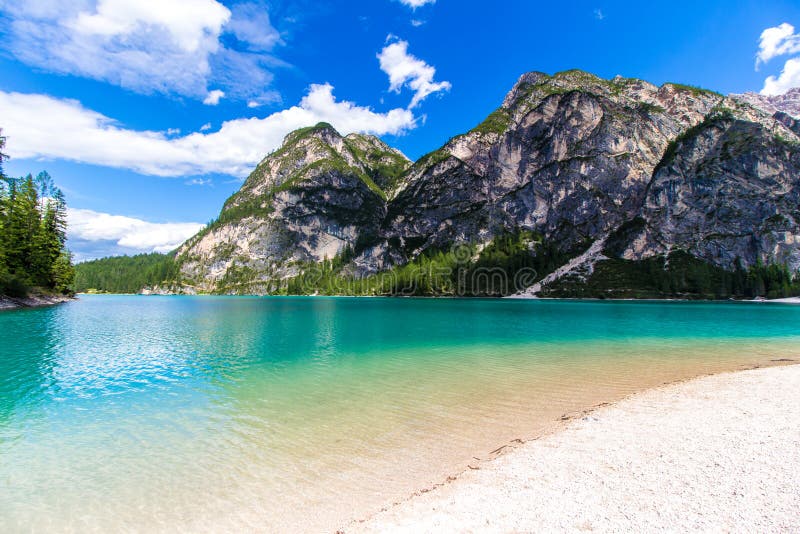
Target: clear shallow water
x=187 y=413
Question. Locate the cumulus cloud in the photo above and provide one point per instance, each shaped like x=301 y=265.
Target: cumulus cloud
x=40 y=126
x=405 y=70
x=789 y=78
x=213 y=97
x=774 y=42
x=414 y=4
x=93 y=234
x=148 y=46
x=778 y=41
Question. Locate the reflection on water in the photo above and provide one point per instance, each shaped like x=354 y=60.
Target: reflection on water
x=299 y=413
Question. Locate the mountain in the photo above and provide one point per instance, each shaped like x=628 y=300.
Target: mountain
x=591 y=187
x=319 y=194
x=788 y=102
x=569 y=156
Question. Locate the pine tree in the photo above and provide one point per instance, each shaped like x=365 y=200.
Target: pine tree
x=3 y=209
x=32 y=235
x=62 y=272
x=22 y=227
x=50 y=239
x=3 y=157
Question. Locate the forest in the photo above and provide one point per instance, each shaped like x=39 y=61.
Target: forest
x=33 y=226
x=124 y=274
x=508 y=264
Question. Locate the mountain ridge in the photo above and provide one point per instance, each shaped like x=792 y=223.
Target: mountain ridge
x=788 y=103
x=567 y=162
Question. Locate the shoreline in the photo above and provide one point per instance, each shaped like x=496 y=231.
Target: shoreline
x=462 y=501
x=785 y=300
x=32 y=301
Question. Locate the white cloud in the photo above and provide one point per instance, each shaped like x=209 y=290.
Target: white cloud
x=251 y=25
x=598 y=14
x=189 y=22
x=212 y=98
x=40 y=126
x=789 y=78
x=414 y=4
x=205 y=127
x=163 y=46
x=417 y=22
x=777 y=41
x=91 y=232
x=406 y=70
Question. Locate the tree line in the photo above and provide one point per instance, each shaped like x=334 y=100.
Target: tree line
x=33 y=225
x=679 y=275
x=508 y=264
x=124 y=274
x=515 y=260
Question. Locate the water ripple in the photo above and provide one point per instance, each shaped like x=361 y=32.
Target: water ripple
x=178 y=413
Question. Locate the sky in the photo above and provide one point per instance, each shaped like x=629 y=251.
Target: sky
x=150 y=113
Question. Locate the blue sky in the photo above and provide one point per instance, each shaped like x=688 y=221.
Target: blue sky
x=149 y=113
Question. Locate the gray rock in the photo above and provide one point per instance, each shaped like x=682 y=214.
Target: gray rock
x=571 y=157
x=308 y=201
x=788 y=103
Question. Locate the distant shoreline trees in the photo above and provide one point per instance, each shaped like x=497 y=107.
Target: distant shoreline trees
x=33 y=225
x=125 y=274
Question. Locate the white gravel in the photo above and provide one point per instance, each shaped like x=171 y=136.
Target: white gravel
x=719 y=453
x=789 y=300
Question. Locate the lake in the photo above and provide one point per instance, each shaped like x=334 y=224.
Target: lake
x=301 y=413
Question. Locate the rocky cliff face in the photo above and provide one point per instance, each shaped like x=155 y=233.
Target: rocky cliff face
x=729 y=189
x=315 y=197
x=788 y=103
x=568 y=156
x=596 y=168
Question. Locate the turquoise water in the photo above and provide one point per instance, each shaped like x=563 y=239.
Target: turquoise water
x=281 y=413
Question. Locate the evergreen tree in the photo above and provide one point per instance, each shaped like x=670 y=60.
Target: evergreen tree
x=32 y=235
x=3 y=209
x=62 y=272
x=3 y=157
x=48 y=245
x=21 y=228
x=126 y=274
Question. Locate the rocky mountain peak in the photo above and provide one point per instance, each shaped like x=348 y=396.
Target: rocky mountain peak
x=309 y=152
x=622 y=168
x=315 y=197
x=524 y=81
x=684 y=103
x=321 y=131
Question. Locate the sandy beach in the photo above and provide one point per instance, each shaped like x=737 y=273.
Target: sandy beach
x=788 y=300
x=718 y=453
